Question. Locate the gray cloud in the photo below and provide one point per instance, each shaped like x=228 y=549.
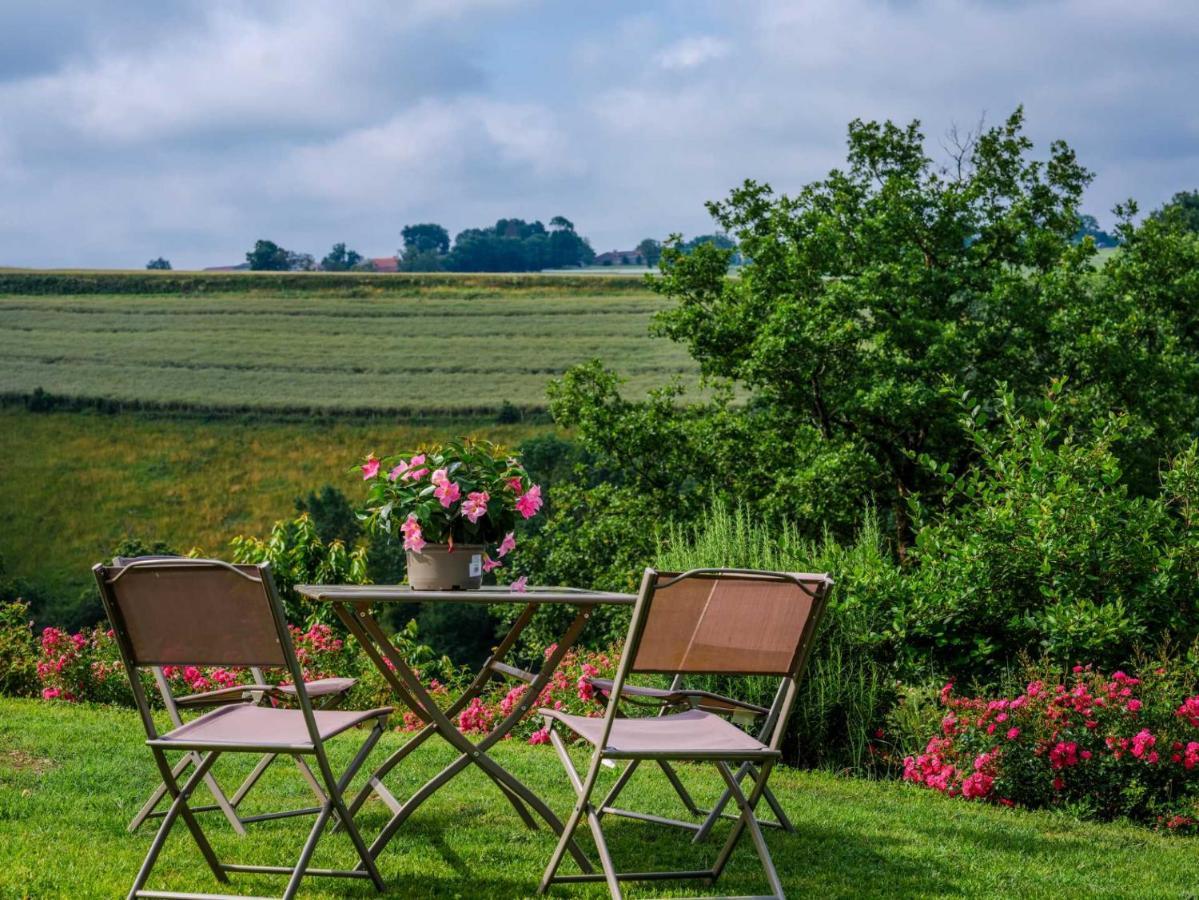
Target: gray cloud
x=127 y=132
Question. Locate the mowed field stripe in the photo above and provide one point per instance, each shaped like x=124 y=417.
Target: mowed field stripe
x=327 y=352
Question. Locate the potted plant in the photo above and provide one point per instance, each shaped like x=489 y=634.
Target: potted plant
x=455 y=506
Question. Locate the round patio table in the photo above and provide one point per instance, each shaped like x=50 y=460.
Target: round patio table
x=353 y=605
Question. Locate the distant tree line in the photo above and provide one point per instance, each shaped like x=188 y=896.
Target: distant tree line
x=514 y=245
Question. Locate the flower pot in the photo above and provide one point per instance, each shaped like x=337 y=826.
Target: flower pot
x=438 y=568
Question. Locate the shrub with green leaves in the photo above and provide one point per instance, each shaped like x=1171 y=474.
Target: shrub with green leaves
x=1041 y=547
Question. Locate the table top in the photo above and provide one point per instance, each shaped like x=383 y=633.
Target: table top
x=488 y=594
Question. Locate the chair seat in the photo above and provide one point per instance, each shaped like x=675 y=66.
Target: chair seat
x=248 y=726
x=322 y=687
x=693 y=734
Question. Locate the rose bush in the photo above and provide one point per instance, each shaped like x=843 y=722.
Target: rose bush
x=1102 y=746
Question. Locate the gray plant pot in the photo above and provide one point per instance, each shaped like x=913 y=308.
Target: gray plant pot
x=436 y=568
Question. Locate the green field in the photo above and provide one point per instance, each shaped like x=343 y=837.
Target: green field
x=75 y=483
x=72 y=776
x=445 y=350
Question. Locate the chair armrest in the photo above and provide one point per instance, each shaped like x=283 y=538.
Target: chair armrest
x=704 y=700
x=239 y=693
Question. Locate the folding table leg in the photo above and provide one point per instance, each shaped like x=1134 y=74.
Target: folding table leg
x=368 y=631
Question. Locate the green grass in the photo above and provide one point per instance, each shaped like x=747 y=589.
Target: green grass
x=74 y=484
x=443 y=350
x=71 y=777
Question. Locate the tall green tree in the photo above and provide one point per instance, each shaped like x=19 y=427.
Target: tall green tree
x=339 y=259
x=880 y=293
x=267 y=256
x=1183 y=207
x=651 y=251
x=159 y=263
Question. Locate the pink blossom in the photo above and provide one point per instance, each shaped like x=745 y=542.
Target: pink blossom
x=489 y=563
x=413 y=539
x=508 y=544
x=474 y=507
x=447 y=491
x=542 y=736
x=517 y=485
x=370 y=468
x=1013 y=733
x=1133 y=705
x=1142 y=742
x=529 y=502
x=521 y=584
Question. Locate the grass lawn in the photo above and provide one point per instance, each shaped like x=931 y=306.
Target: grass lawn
x=71 y=777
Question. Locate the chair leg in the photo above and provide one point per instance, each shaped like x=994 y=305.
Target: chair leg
x=747 y=821
x=572 y=822
x=178 y=808
x=335 y=792
x=314 y=835
x=621 y=781
x=717 y=811
x=156 y=797
x=679 y=789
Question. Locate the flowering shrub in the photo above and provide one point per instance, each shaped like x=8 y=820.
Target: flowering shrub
x=18 y=650
x=566 y=690
x=460 y=493
x=1102 y=745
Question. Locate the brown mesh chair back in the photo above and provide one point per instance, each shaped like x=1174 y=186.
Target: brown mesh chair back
x=728 y=622
x=195 y=612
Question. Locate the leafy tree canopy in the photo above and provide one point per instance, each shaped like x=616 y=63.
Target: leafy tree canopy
x=159 y=263
x=339 y=259
x=1183 y=208
x=267 y=256
x=873 y=301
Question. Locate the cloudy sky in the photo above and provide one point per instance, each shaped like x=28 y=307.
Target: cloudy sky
x=134 y=129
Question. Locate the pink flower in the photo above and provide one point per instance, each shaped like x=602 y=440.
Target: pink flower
x=540 y=737
x=1013 y=733
x=447 y=492
x=521 y=584
x=1133 y=705
x=489 y=563
x=413 y=539
x=1142 y=743
x=370 y=468
x=474 y=507
x=412 y=470
x=508 y=544
x=529 y=502
x=516 y=485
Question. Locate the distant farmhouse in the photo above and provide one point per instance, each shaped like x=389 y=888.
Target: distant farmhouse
x=385 y=264
x=619 y=258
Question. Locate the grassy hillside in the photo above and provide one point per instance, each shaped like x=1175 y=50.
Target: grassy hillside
x=71 y=777
x=408 y=355
x=73 y=484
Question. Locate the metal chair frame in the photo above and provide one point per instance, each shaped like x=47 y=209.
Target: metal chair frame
x=208 y=752
x=230 y=805
x=756 y=764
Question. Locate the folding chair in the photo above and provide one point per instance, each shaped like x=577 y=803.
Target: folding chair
x=327 y=692
x=672 y=699
x=207 y=612
x=706 y=621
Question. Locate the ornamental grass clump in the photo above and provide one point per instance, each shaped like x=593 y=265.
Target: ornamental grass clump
x=1101 y=746
x=464 y=492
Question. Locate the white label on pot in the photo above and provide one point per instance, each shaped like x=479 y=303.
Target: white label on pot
x=476 y=565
